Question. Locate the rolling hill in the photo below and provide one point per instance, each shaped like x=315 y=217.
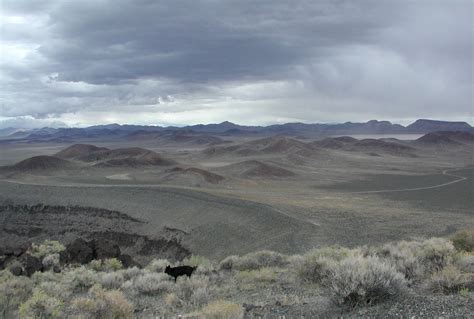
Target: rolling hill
x=264 y=146
x=42 y=162
x=257 y=169
x=447 y=137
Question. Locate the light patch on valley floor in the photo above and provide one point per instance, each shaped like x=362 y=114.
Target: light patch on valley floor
x=119 y=177
x=215 y=164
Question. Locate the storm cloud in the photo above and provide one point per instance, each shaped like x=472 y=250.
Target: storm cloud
x=251 y=62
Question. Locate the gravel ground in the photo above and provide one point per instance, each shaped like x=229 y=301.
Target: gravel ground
x=412 y=305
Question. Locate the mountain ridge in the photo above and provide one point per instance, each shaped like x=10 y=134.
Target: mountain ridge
x=420 y=126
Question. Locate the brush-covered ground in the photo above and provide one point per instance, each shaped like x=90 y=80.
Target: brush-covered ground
x=425 y=278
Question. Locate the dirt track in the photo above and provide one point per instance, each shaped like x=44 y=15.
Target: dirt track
x=445 y=172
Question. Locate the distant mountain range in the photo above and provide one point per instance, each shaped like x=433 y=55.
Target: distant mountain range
x=112 y=131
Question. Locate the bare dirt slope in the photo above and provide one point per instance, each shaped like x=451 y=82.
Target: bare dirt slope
x=217 y=226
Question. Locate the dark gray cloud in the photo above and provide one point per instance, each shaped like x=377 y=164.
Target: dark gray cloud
x=256 y=62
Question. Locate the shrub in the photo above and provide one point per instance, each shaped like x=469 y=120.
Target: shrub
x=40 y=305
x=315 y=265
x=111 y=264
x=153 y=284
x=52 y=284
x=80 y=279
x=103 y=304
x=223 y=309
x=465 y=262
x=48 y=247
x=132 y=273
x=364 y=280
x=448 y=280
x=158 y=265
x=96 y=264
x=416 y=259
x=464 y=240
x=254 y=260
x=13 y=292
x=228 y=262
x=403 y=256
x=39 y=277
x=113 y=280
x=464 y=292
x=195 y=291
x=435 y=253
x=313 y=268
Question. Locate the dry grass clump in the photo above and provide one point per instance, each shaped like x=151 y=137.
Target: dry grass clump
x=102 y=304
x=254 y=260
x=152 y=284
x=464 y=240
x=41 y=305
x=449 y=280
x=222 y=309
x=364 y=280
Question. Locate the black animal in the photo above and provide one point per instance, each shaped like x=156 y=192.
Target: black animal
x=179 y=271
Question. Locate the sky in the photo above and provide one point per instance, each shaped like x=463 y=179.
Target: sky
x=183 y=62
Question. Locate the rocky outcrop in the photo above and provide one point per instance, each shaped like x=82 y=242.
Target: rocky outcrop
x=19 y=261
x=82 y=252
x=79 y=252
x=31 y=264
x=91 y=233
x=104 y=249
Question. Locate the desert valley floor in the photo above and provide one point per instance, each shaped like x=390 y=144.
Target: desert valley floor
x=216 y=196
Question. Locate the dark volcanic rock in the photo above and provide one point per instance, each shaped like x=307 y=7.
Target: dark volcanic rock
x=79 y=251
x=94 y=225
x=127 y=261
x=104 y=249
x=31 y=264
x=16 y=269
x=3 y=259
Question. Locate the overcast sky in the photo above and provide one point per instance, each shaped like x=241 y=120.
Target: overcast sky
x=88 y=62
